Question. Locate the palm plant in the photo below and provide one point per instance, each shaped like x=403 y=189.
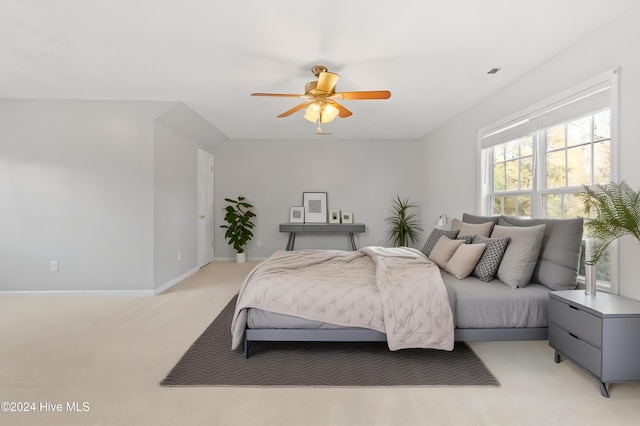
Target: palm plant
x=404 y=225
x=613 y=210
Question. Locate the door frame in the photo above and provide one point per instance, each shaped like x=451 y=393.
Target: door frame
x=205 y=221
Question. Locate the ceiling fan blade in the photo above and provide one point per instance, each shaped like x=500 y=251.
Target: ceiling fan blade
x=372 y=94
x=327 y=81
x=343 y=112
x=295 y=109
x=281 y=95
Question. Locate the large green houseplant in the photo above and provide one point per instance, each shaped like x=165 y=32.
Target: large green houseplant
x=404 y=225
x=239 y=225
x=613 y=211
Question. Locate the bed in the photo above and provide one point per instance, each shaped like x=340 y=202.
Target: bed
x=540 y=255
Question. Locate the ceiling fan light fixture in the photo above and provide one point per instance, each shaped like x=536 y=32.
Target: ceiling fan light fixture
x=317 y=111
x=320 y=105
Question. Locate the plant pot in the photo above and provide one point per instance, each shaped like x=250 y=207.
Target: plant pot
x=590 y=279
x=241 y=257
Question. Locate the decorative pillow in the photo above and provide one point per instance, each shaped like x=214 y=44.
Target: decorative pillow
x=490 y=260
x=464 y=260
x=434 y=237
x=521 y=255
x=557 y=266
x=468 y=239
x=470 y=218
x=444 y=250
x=482 y=229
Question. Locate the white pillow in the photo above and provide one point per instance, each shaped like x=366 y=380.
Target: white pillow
x=464 y=260
x=480 y=229
x=443 y=250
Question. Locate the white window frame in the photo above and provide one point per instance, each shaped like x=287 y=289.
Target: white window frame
x=485 y=182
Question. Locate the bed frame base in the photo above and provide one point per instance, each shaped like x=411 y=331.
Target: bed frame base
x=365 y=335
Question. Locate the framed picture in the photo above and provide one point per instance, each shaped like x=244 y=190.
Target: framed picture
x=334 y=216
x=347 y=217
x=315 y=207
x=296 y=214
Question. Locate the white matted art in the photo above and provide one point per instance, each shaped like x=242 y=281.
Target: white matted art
x=334 y=216
x=347 y=217
x=296 y=214
x=315 y=207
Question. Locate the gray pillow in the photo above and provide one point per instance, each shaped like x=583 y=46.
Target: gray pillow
x=559 y=259
x=468 y=239
x=471 y=218
x=489 y=262
x=434 y=237
x=521 y=255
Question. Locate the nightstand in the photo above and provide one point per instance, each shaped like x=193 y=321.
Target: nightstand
x=600 y=334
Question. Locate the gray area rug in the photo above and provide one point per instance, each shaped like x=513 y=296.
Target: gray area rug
x=210 y=362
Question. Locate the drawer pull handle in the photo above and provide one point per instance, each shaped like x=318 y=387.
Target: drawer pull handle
x=574 y=336
x=574 y=308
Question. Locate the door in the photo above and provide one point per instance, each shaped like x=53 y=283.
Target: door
x=205 y=208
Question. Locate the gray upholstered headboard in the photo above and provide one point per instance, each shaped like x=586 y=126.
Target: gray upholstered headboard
x=559 y=258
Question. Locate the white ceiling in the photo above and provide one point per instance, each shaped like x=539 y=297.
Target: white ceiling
x=432 y=55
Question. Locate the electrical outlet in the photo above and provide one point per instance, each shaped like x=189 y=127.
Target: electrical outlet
x=179 y=255
x=54 y=266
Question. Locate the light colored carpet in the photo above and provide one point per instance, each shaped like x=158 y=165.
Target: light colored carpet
x=112 y=352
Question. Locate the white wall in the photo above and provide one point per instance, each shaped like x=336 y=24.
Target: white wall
x=360 y=176
x=449 y=152
x=106 y=188
x=76 y=186
x=175 y=208
x=178 y=134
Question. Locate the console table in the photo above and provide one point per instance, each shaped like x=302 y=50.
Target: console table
x=345 y=228
x=599 y=334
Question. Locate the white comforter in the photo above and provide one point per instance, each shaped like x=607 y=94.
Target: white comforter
x=397 y=291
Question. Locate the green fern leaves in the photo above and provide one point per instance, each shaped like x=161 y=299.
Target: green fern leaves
x=613 y=210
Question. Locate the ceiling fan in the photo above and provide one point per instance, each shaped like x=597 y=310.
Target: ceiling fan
x=321 y=104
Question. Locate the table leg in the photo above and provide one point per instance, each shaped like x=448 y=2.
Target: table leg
x=292 y=241
x=353 y=242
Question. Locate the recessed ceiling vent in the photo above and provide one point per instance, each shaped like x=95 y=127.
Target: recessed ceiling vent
x=494 y=70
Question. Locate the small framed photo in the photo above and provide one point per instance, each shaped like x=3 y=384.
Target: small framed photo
x=347 y=217
x=334 y=216
x=315 y=207
x=296 y=214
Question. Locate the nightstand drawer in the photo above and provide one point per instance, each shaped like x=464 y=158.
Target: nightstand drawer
x=578 y=322
x=575 y=348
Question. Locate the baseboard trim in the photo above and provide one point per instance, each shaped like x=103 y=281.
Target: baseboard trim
x=233 y=259
x=128 y=293
x=174 y=281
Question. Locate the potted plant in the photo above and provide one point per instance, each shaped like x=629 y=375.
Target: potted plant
x=239 y=225
x=404 y=225
x=613 y=210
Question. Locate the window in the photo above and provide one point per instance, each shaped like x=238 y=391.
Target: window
x=536 y=162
